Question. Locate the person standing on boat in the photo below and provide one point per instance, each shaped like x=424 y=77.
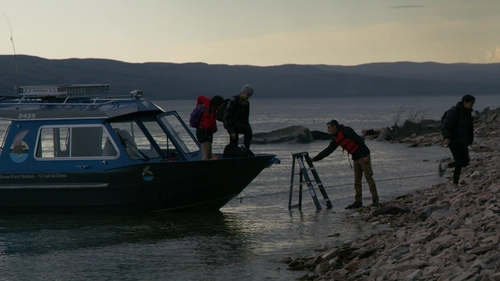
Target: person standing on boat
x=208 y=126
x=458 y=134
x=236 y=117
x=351 y=142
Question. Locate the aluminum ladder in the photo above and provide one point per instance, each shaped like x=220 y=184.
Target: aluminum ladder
x=304 y=178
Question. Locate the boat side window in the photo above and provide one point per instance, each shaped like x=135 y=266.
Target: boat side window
x=74 y=141
x=179 y=133
x=86 y=141
x=4 y=130
x=53 y=142
x=134 y=141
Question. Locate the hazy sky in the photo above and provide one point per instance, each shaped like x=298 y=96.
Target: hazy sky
x=254 y=32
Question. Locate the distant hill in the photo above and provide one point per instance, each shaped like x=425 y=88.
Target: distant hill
x=187 y=81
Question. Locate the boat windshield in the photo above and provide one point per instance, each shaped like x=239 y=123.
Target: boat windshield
x=179 y=133
x=166 y=145
x=140 y=144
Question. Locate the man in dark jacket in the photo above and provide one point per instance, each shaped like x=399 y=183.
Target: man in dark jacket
x=236 y=117
x=458 y=133
x=351 y=142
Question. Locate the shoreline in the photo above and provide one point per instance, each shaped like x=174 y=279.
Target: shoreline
x=437 y=233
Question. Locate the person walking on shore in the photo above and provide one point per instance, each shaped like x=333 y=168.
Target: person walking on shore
x=236 y=117
x=458 y=133
x=351 y=142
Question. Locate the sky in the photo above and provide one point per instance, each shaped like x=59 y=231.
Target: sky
x=254 y=32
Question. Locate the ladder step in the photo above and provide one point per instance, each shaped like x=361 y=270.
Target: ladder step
x=305 y=182
x=296 y=174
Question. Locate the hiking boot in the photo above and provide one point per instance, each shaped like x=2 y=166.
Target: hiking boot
x=375 y=202
x=441 y=170
x=356 y=204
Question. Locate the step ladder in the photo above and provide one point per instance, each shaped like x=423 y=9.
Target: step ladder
x=304 y=178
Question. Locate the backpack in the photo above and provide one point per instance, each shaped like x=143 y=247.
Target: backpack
x=442 y=119
x=220 y=113
x=455 y=122
x=234 y=151
x=194 y=119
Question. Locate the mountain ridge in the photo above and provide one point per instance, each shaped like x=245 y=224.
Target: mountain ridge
x=160 y=80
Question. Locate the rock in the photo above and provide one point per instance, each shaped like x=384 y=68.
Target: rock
x=322 y=267
x=317 y=135
x=391 y=210
x=496 y=276
x=387 y=135
x=415 y=275
x=297 y=134
x=429 y=210
x=317 y=260
x=400 y=251
x=411 y=129
x=476 y=175
x=491 y=118
x=482 y=250
x=368 y=132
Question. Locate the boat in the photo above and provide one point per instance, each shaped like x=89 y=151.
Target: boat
x=77 y=148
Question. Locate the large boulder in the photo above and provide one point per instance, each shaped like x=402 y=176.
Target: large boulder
x=297 y=134
x=409 y=130
x=318 y=135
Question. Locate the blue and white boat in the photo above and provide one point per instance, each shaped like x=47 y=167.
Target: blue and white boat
x=74 y=148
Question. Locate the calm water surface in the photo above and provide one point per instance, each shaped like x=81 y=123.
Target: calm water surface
x=248 y=237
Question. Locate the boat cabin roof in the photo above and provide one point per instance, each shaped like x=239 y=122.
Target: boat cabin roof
x=82 y=101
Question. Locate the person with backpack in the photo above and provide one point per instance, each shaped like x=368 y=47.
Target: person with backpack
x=236 y=117
x=351 y=142
x=207 y=125
x=458 y=133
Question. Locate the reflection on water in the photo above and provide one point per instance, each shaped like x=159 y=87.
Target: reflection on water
x=44 y=233
x=146 y=247
x=235 y=244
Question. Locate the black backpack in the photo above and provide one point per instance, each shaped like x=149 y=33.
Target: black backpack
x=220 y=113
x=442 y=119
x=234 y=151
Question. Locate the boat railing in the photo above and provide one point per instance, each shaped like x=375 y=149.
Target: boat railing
x=91 y=95
x=72 y=90
x=96 y=102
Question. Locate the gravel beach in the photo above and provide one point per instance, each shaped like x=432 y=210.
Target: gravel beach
x=441 y=233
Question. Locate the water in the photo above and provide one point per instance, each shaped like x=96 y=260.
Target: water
x=248 y=237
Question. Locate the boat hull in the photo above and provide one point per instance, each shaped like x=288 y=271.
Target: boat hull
x=145 y=187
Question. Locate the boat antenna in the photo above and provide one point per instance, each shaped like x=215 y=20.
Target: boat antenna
x=15 y=56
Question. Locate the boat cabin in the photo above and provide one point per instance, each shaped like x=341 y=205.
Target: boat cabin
x=65 y=122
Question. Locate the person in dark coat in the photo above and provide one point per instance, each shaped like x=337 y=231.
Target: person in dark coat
x=236 y=117
x=458 y=133
x=351 y=142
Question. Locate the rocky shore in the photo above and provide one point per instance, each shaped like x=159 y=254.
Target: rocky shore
x=440 y=233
